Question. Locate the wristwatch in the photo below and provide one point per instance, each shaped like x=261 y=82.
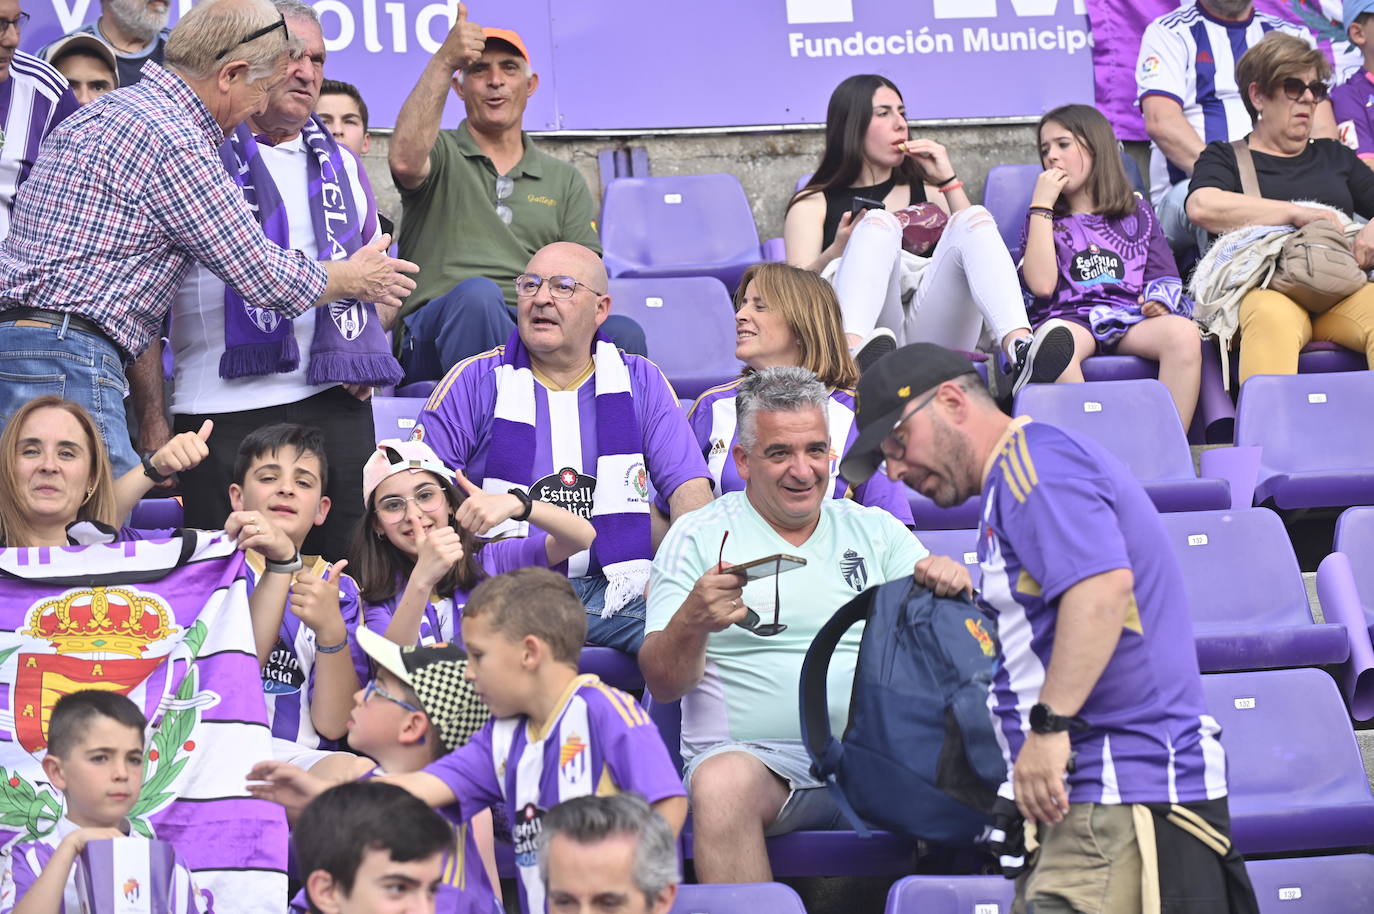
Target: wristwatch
x=1043 y=720
x=526 y=501
x=151 y=471
x=292 y=564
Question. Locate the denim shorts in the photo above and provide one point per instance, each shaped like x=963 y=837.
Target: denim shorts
x=623 y=631
x=809 y=805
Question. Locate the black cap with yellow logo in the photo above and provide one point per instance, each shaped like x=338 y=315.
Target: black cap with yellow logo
x=884 y=390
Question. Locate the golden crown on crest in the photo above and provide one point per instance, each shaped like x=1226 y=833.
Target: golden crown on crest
x=107 y=619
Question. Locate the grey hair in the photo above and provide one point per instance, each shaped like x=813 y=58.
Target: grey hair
x=780 y=389
x=588 y=820
x=295 y=9
x=211 y=26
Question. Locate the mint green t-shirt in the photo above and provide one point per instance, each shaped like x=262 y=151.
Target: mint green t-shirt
x=749 y=691
x=449 y=224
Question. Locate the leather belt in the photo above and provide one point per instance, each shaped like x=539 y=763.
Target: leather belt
x=54 y=319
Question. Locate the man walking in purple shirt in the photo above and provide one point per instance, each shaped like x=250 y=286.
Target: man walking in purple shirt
x=1098 y=697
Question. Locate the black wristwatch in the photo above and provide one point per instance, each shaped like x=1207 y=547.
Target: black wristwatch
x=151 y=471
x=1043 y=720
x=524 y=500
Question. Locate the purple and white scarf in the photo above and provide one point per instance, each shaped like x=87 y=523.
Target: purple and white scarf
x=620 y=513
x=350 y=346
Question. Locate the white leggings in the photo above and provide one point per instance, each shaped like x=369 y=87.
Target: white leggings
x=969 y=281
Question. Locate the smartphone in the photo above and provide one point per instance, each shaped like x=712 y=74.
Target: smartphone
x=862 y=203
x=767 y=567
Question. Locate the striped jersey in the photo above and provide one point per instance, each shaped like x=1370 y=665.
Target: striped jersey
x=1189 y=55
x=598 y=741
x=712 y=419
x=34 y=99
x=1058 y=509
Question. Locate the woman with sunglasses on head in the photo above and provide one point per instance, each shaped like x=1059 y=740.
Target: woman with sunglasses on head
x=1300 y=180
x=417 y=552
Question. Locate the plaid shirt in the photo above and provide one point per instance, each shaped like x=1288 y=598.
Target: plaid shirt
x=125 y=195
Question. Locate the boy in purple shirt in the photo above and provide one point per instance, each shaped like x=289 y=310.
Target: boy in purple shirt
x=555 y=734
x=1352 y=101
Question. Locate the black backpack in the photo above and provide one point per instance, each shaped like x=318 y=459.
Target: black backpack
x=921 y=754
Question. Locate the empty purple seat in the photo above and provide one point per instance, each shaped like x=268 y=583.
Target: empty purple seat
x=157 y=514
x=1339 y=884
x=1137 y=422
x=1007 y=195
x=1355 y=537
x=744 y=898
x=421 y=389
x=951 y=895
x=1295 y=777
x=394 y=417
x=688 y=225
x=1317 y=432
x=616 y=668
x=689 y=324
x=930 y=516
x=1345 y=586
x=960 y=545
x=1214 y=419
x=1246 y=594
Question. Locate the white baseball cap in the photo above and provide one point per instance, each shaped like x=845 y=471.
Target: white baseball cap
x=396 y=456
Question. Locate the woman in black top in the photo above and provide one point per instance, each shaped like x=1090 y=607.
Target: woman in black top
x=1284 y=80
x=887 y=302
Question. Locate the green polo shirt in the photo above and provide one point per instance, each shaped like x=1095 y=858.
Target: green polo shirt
x=449 y=224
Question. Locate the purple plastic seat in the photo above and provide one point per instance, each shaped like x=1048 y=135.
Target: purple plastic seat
x=1214 y=419
x=960 y=545
x=1321 y=356
x=1339 y=884
x=1007 y=195
x=157 y=514
x=930 y=516
x=1137 y=422
x=394 y=417
x=1355 y=537
x=1295 y=777
x=1246 y=594
x=1345 y=586
x=1317 y=435
x=689 y=324
x=688 y=225
x=951 y=895
x=740 y=898
x=616 y=668
x=421 y=389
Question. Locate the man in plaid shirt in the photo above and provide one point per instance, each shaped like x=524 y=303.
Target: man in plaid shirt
x=127 y=194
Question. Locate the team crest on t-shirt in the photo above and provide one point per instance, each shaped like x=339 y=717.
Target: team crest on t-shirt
x=855 y=569
x=1096 y=266
x=568 y=489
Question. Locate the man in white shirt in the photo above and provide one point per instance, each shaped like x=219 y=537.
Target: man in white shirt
x=1186 y=86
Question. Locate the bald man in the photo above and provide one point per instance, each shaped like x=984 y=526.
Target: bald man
x=548 y=415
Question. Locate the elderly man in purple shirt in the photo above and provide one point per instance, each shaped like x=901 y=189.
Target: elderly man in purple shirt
x=126 y=194
x=560 y=414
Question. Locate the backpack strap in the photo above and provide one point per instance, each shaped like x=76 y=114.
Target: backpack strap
x=1245 y=166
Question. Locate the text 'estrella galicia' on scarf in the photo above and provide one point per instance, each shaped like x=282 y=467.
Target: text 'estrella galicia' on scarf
x=350 y=346
x=620 y=512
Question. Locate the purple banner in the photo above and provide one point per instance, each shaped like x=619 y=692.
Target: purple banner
x=631 y=64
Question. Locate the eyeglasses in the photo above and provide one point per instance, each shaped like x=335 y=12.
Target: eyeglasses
x=504 y=187
x=751 y=621
x=894 y=445
x=428 y=499
x=1294 y=88
x=560 y=287
x=18 y=22
x=253 y=36
x=372 y=688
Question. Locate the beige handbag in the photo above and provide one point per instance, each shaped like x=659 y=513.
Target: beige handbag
x=1315 y=267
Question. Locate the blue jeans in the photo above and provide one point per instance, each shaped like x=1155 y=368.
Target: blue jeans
x=624 y=631
x=83 y=367
x=473 y=317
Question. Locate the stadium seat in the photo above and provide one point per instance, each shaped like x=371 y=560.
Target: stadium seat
x=1007 y=195
x=742 y=898
x=1345 y=587
x=157 y=514
x=1339 y=884
x=1137 y=422
x=689 y=225
x=394 y=417
x=615 y=668
x=951 y=895
x=1215 y=417
x=689 y=324
x=1246 y=594
x=930 y=516
x=1317 y=435
x=960 y=545
x=1295 y=777
x=421 y=389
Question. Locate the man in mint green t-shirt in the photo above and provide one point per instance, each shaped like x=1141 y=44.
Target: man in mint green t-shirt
x=714 y=643
x=478 y=201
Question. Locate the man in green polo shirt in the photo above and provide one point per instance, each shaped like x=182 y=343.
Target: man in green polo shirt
x=478 y=201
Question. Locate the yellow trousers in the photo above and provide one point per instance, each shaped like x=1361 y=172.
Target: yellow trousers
x=1274 y=328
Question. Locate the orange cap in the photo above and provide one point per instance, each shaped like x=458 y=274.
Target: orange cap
x=511 y=38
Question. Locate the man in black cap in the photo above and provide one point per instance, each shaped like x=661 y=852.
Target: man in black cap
x=1098 y=663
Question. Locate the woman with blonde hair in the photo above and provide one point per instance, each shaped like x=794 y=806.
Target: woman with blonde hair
x=785 y=315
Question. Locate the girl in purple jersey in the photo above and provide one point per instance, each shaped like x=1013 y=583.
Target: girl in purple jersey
x=417 y=551
x=1095 y=257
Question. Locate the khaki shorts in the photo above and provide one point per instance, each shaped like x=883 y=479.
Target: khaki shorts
x=1089 y=864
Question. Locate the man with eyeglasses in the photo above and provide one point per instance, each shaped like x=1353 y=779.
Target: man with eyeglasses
x=479 y=200
x=127 y=194
x=34 y=98
x=136 y=31
x=243 y=366
x=563 y=414
x=733 y=651
x=1112 y=754
x=1186 y=87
